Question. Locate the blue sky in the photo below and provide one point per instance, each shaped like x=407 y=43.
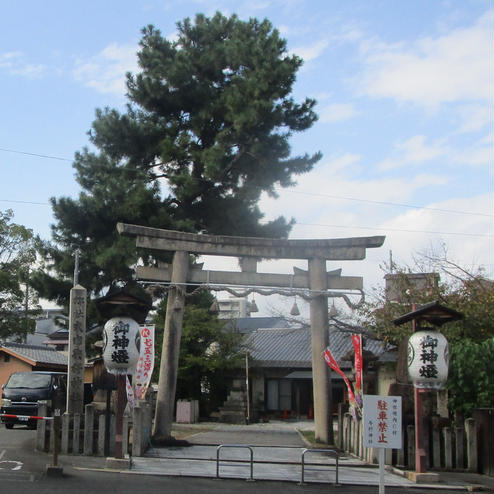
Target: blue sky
x=405 y=102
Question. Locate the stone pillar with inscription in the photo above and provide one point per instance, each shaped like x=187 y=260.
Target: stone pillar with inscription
x=77 y=351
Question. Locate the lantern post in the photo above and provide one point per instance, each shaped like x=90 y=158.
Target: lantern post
x=428 y=361
x=121 y=340
x=120 y=354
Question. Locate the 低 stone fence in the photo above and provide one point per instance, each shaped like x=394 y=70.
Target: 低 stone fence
x=93 y=434
x=448 y=448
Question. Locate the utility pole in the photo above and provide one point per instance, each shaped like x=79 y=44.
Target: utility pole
x=26 y=307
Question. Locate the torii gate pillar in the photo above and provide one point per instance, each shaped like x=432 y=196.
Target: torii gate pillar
x=319 y=323
x=171 y=346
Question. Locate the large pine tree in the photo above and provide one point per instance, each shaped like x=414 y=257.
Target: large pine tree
x=206 y=131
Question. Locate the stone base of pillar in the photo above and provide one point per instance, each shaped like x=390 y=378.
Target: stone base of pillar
x=423 y=478
x=117 y=463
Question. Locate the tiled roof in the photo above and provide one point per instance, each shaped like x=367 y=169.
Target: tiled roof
x=36 y=353
x=249 y=324
x=292 y=347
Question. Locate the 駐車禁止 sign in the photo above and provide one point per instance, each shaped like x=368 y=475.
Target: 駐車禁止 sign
x=382 y=421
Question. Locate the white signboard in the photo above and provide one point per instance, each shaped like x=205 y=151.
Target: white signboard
x=382 y=421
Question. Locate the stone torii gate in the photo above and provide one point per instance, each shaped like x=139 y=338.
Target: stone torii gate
x=248 y=250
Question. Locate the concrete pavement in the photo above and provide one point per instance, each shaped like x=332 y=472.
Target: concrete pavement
x=276 y=449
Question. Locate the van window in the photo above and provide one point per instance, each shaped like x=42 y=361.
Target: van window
x=29 y=380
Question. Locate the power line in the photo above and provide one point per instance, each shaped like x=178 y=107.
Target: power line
x=300 y=192
x=35 y=154
x=26 y=202
x=386 y=203
x=372 y=228
x=398 y=230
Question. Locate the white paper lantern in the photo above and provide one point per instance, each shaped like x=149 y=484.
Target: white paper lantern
x=121 y=345
x=428 y=359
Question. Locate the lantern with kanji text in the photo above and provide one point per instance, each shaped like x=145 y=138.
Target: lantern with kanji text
x=428 y=359
x=121 y=345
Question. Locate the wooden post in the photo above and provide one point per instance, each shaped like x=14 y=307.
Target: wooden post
x=321 y=375
x=411 y=447
x=400 y=453
x=121 y=402
x=420 y=453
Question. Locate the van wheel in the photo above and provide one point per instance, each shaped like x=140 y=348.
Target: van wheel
x=9 y=426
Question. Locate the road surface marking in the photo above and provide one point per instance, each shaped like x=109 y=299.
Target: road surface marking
x=17 y=465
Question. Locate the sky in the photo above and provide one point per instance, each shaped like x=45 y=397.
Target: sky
x=405 y=96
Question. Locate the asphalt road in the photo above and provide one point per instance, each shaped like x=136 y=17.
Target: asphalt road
x=22 y=470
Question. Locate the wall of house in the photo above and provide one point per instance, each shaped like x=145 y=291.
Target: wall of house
x=10 y=364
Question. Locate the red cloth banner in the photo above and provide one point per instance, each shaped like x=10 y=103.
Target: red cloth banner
x=357 y=346
x=330 y=360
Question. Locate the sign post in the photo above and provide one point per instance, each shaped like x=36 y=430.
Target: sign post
x=382 y=427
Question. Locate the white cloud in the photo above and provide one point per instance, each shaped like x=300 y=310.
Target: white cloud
x=106 y=71
x=14 y=64
x=474 y=117
x=413 y=151
x=334 y=194
x=468 y=237
x=430 y=71
x=337 y=112
x=416 y=150
x=480 y=155
x=342 y=162
x=311 y=52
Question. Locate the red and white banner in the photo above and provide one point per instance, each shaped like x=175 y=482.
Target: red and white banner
x=357 y=346
x=330 y=360
x=145 y=364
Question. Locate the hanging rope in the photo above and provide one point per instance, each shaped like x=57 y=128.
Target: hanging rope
x=244 y=292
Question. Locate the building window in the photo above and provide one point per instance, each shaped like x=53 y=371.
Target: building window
x=279 y=394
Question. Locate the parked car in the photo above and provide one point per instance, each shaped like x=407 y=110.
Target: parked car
x=24 y=391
